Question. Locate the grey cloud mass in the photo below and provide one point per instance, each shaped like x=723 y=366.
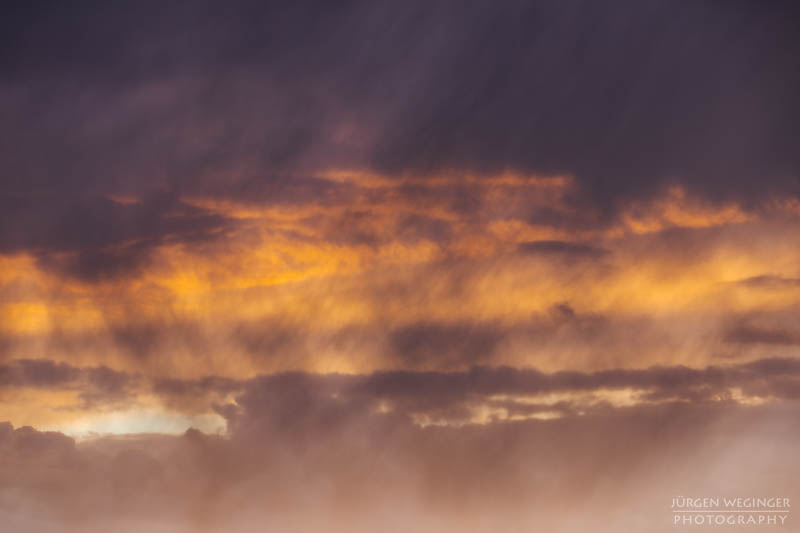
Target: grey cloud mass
x=201 y=97
x=345 y=472
x=424 y=266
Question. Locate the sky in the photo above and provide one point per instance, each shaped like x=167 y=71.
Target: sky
x=397 y=266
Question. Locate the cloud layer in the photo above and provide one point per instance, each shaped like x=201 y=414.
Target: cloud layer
x=430 y=266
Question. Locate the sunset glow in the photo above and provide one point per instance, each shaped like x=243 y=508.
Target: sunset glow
x=404 y=267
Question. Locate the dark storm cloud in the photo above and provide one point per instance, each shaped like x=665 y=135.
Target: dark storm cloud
x=238 y=97
x=626 y=97
x=748 y=334
x=97 y=385
x=38 y=373
x=484 y=382
x=325 y=398
x=250 y=99
x=410 y=392
x=94 y=237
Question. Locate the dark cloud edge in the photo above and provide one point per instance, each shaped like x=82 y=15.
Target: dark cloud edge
x=413 y=392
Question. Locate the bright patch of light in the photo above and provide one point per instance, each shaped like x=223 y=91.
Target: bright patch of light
x=133 y=421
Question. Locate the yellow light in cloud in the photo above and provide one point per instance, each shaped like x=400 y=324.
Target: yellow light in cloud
x=677 y=209
x=138 y=420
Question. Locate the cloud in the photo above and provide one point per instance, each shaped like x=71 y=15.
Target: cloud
x=746 y=334
x=443 y=344
x=355 y=469
x=439 y=266
x=568 y=249
x=353 y=447
x=97 y=238
x=42 y=373
x=413 y=394
x=767 y=281
x=96 y=385
x=239 y=99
